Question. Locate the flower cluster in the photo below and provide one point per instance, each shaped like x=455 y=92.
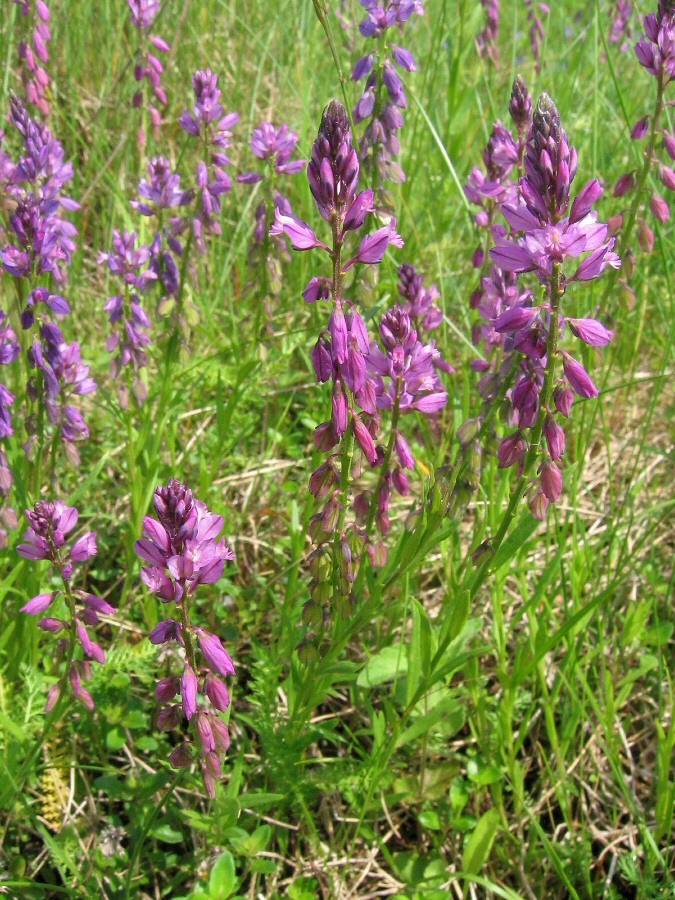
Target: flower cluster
x=126 y=314
x=547 y=231
x=148 y=66
x=405 y=373
x=383 y=97
x=425 y=315
x=656 y=53
x=193 y=212
x=34 y=55
x=487 y=37
x=503 y=159
x=490 y=189
x=536 y=30
x=620 y=31
x=274 y=147
x=45 y=538
x=656 y=50
x=365 y=379
x=207 y=123
x=182 y=550
x=340 y=352
x=40 y=242
x=158 y=193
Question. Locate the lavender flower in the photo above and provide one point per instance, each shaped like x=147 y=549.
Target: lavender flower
x=34 y=56
x=41 y=243
x=656 y=53
x=487 y=38
x=656 y=49
x=212 y=128
x=195 y=212
x=9 y=351
x=274 y=146
x=406 y=378
x=424 y=314
x=379 y=145
x=620 y=31
x=148 y=66
x=77 y=610
x=183 y=551
x=421 y=307
x=340 y=353
x=536 y=30
x=503 y=159
x=546 y=232
x=126 y=313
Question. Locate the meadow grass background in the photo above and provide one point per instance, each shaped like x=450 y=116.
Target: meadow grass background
x=539 y=762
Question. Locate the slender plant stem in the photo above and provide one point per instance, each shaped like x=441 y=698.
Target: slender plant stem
x=321 y=10
x=187 y=637
x=145 y=830
x=384 y=469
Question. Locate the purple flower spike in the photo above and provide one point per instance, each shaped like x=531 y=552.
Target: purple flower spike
x=379 y=145
x=184 y=550
x=46 y=538
x=548 y=227
x=148 y=69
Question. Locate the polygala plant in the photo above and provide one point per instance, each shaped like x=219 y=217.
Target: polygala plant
x=449 y=602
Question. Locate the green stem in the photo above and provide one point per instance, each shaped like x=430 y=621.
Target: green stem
x=187 y=637
x=53 y=715
x=347 y=442
x=321 y=10
x=384 y=469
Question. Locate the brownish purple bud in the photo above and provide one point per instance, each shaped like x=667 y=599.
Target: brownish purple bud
x=520 y=106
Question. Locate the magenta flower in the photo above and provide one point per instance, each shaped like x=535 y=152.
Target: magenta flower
x=34 y=56
x=125 y=311
x=547 y=231
x=148 y=67
x=46 y=539
x=299 y=233
x=656 y=50
x=488 y=36
x=383 y=96
x=184 y=551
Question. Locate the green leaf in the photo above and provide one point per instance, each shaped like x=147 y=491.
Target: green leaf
x=115 y=739
x=223 y=878
x=479 y=844
x=303 y=889
x=430 y=819
x=164 y=832
x=260 y=838
x=521 y=533
x=448 y=711
x=481 y=774
x=263 y=866
x=255 y=800
x=384 y=666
